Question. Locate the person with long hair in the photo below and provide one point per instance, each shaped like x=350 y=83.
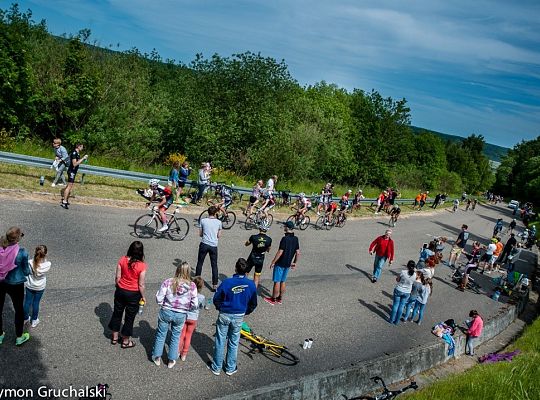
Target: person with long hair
x=176 y=296
x=35 y=284
x=130 y=290
x=422 y=299
x=475 y=325
x=14 y=269
x=402 y=291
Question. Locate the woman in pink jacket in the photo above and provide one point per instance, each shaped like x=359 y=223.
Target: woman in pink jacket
x=476 y=325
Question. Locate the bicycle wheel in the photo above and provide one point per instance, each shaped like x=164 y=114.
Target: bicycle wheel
x=319 y=224
x=250 y=222
x=204 y=214
x=278 y=354
x=178 y=229
x=340 y=223
x=305 y=223
x=292 y=218
x=330 y=223
x=270 y=219
x=228 y=220
x=145 y=226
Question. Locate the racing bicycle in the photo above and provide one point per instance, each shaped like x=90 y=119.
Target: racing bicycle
x=268 y=348
x=299 y=221
x=325 y=222
x=386 y=393
x=146 y=226
x=227 y=218
x=254 y=219
x=340 y=219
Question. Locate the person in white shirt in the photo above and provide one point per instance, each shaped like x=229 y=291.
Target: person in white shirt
x=35 y=284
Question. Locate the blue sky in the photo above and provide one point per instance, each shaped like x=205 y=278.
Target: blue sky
x=463 y=66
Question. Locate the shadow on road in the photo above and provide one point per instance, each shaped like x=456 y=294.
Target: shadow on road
x=104 y=313
x=145 y=333
x=263 y=291
x=353 y=268
x=381 y=310
x=203 y=345
x=385 y=293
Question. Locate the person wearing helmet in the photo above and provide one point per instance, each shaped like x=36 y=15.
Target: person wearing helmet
x=304 y=205
x=165 y=197
x=226 y=198
x=326 y=197
x=261 y=244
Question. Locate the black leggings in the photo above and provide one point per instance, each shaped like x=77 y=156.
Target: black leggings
x=213 y=252
x=127 y=300
x=16 y=292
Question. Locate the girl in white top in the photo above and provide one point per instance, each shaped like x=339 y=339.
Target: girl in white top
x=35 y=284
x=402 y=291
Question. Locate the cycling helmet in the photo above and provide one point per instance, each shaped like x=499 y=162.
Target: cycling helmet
x=349 y=191
x=264 y=225
x=153 y=182
x=301 y=195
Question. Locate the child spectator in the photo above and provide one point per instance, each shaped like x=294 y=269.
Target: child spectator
x=191 y=320
x=35 y=284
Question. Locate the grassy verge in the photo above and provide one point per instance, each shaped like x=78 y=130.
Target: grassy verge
x=518 y=379
x=40 y=149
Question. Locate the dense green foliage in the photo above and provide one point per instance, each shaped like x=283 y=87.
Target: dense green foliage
x=245 y=113
x=518 y=175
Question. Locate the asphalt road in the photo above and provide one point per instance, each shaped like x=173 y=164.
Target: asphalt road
x=330 y=298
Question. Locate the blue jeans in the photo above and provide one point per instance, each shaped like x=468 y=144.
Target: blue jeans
x=377 y=266
x=408 y=310
x=469 y=348
x=176 y=321
x=400 y=299
x=32 y=299
x=418 y=308
x=227 y=328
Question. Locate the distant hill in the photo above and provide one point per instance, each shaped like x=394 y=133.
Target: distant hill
x=492 y=151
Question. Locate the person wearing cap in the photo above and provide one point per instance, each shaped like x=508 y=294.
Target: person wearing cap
x=261 y=244
x=487 y=257
x=383 y=248
x=14 y=268
x=285 y=259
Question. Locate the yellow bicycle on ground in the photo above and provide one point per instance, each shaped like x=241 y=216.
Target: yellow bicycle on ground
x=268 y=348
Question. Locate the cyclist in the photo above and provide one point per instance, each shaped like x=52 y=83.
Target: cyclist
x=304 y=205
x=267 y=205
x=261 y=244
x=165 y=196
x=256 y=193
x=330 y=210
x=455 y=205
x=394 y=215
x=326 y=196
x=226 y=198
x=344 y=204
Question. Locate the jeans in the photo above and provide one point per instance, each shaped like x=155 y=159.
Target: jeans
x=213 y=251
x=60 y=174
x=227 y=328
x=128 y=301
x=469 y=348
x=16 y=292
x=176 y=321
x=202 y=188
x=377 y=266
x=32 y=299
x=418 y=308
x=408 y=309
x=400 y=299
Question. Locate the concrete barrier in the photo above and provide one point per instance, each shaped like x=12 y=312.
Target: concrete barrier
x=355 y=380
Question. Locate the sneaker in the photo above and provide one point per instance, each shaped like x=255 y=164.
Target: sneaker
x=373 y=280
x=53 y=185
x=318 y=213
x=171 y=364
x=27 y=321
x=35 y=323
x=183 y=358
x=231 y=373
x=269 y=300
x=60 y=184
x=24 y=338
x=209 y=366
x=157 y=361
x=164 y=228
x=65 y=205
x=278 y=300
x=2 y=336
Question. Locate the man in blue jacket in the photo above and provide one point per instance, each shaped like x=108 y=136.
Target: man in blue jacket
x=234 y=298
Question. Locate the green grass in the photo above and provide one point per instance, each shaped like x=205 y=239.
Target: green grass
x=518 y=379
x=37 y=148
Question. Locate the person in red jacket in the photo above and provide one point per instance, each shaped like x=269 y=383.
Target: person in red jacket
x=476 y=325
x=383 y=248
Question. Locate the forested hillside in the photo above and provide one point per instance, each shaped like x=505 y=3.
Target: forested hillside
x=245 y=113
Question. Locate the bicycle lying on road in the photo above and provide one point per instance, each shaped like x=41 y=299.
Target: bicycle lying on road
x=386 y=394
x=146 y=226
x=268 y=348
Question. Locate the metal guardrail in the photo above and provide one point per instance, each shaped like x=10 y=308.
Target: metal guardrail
x=39 y=162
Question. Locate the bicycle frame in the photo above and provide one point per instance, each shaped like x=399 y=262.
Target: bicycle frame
x=263 y=342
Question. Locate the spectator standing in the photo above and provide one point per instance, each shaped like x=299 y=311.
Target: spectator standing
x=498 y=227
x=261 y=244
x=512 y=226
x=191 y=320
x=234 y=298
x=402 y=291
x=176 y=297
x=458 y=246
x=286 y=258
x=383 y=248
x=488 y=257
x=75 y=161
x=184 y=173
x=130 y=290
x=422 y=299
x=436 y=201
x=203 y=178
x=61 y=159
x=174 y=176
x=210 y=232
x=35 y=284
x=475 y=325
x=14 y=268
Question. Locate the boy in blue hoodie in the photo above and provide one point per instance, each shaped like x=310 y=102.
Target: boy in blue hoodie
x=234 y=298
